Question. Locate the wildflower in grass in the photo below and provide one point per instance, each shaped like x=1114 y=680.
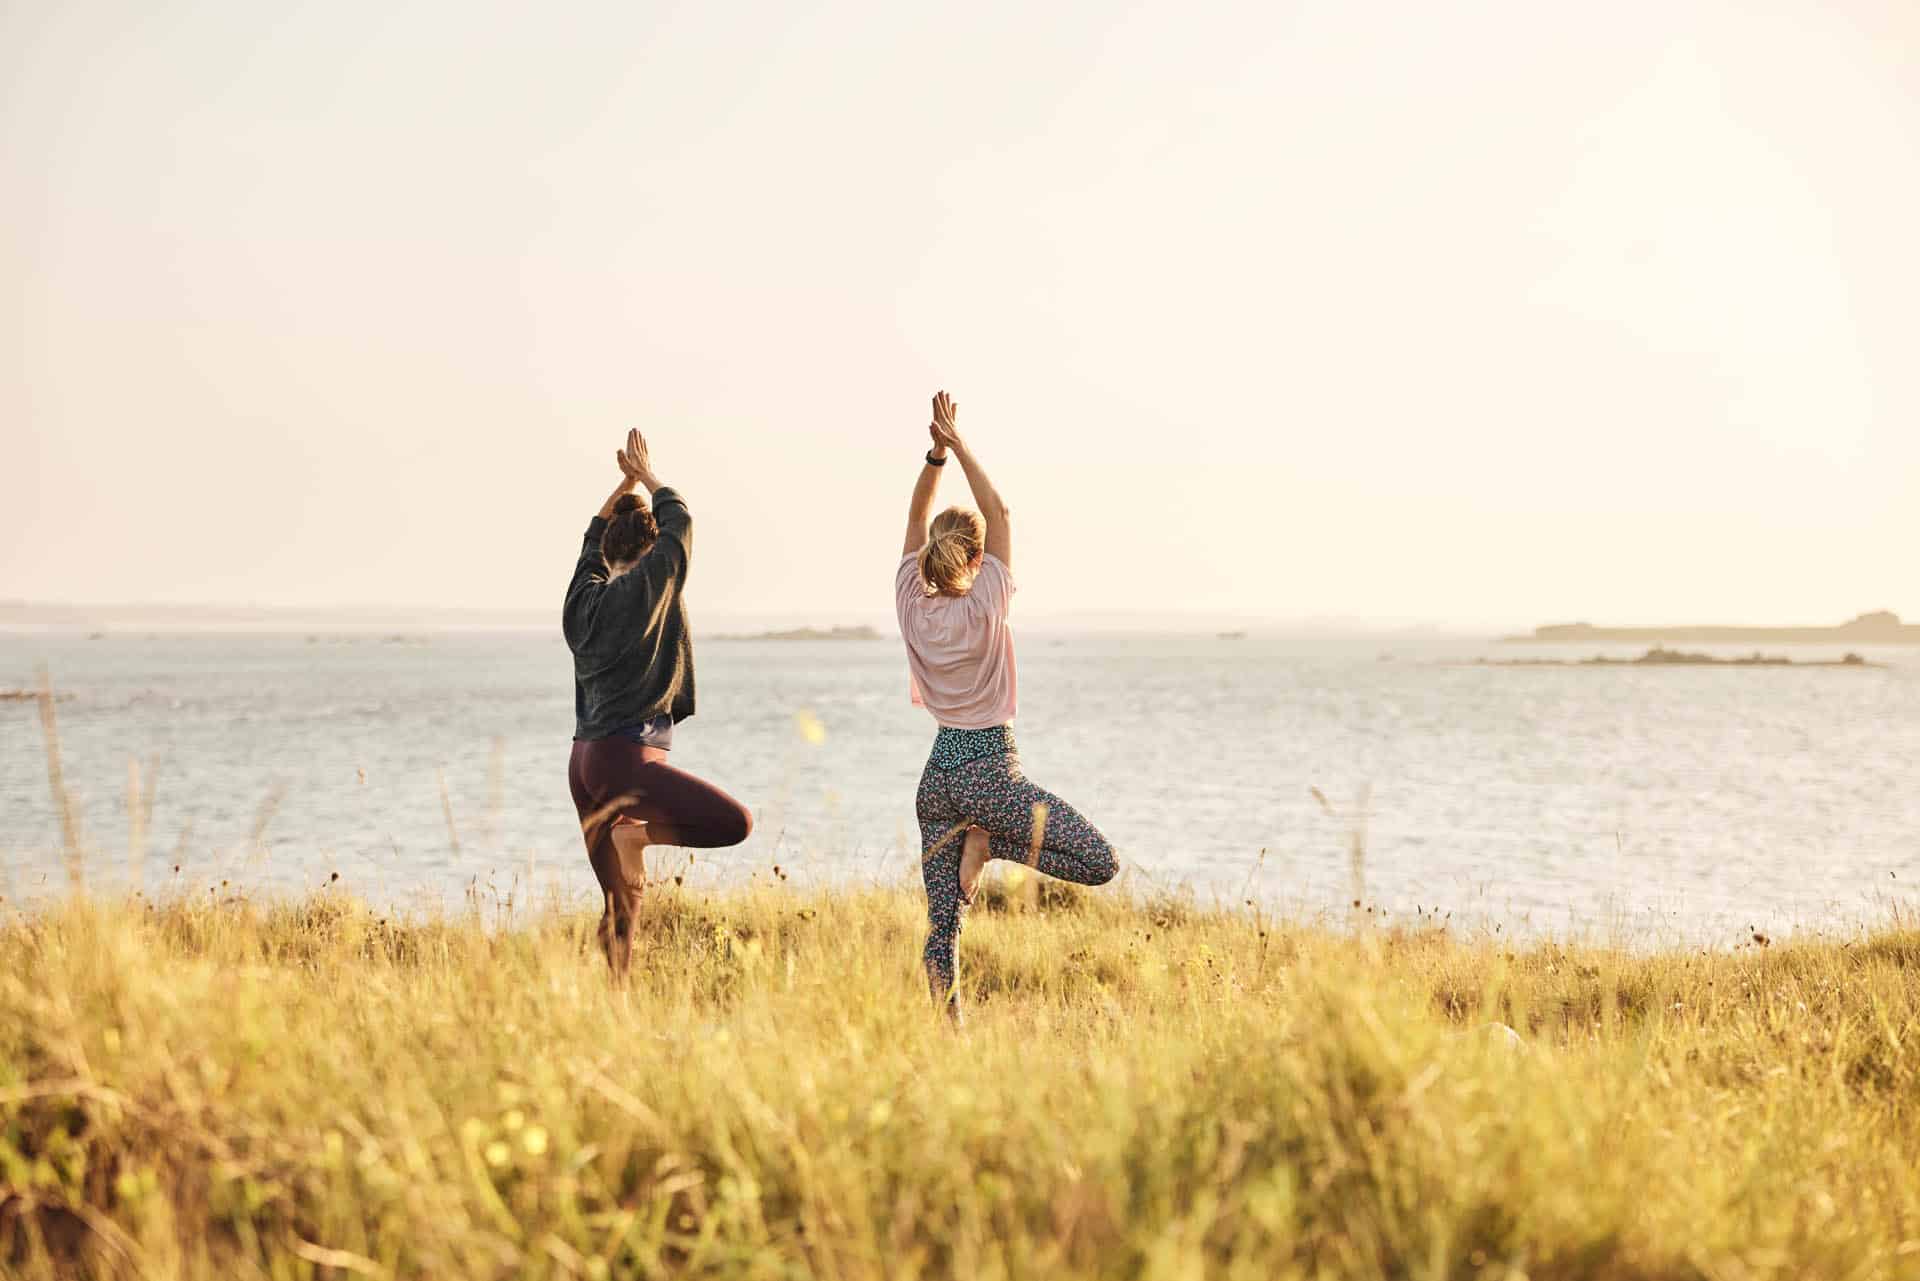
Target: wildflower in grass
x=534 y=1140
x=133 y=1186
x=498 y=1153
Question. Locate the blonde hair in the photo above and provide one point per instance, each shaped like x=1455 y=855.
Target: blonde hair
x=956 y=540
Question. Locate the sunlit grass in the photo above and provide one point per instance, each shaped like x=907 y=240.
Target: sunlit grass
x=1144 y=1089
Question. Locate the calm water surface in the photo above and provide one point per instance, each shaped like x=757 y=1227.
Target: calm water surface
x=1669 y=802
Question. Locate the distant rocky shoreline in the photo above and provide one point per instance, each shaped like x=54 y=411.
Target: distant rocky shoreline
x=1658 y=657
x=861 y=633
x=1879 y=628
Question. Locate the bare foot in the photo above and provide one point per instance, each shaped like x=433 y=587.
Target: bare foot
x=630 y=842
x=973 y=861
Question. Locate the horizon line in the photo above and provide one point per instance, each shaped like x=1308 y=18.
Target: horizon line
x=18 y=611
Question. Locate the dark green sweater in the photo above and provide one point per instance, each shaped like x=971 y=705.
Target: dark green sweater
x=632 y=654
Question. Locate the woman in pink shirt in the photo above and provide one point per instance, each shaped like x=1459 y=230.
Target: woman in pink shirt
x=952 y=591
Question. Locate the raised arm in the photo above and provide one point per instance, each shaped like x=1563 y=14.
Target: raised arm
x=921 y=505
x=672 y=550
x=985 y=496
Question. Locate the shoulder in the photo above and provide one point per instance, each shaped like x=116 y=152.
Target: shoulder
x=1001 y=576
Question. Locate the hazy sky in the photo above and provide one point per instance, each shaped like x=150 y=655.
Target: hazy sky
x=1467 y=312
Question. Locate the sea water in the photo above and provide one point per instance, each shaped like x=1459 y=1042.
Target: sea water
x=1303 y=775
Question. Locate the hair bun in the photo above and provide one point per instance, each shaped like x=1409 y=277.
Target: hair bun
x=956 y=536
x=630 y=533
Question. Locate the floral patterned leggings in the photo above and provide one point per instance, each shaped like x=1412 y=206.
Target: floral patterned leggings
x=974 y=777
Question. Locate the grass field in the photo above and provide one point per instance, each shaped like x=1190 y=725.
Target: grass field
x=202 y=1089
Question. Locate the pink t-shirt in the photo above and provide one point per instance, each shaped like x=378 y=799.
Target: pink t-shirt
x=959 y=648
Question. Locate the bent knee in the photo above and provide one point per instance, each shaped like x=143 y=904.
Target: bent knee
x=1106 y=865
x=737 y=826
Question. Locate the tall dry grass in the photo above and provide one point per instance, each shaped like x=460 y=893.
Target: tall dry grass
x=225 y=1088
x=213 y=1087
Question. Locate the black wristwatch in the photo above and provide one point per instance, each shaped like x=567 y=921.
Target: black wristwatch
x=935 y=462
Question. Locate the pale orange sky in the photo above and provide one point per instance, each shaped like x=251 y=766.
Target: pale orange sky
x=1478 y=313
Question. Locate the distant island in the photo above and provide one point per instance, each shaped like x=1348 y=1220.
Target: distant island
x=1879 y=628
x=861 y=633
x=1658 y=657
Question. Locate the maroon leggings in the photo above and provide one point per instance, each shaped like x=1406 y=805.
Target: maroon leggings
x=614 y=778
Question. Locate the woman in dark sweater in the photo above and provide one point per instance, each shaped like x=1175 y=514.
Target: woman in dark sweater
x=626 y=622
